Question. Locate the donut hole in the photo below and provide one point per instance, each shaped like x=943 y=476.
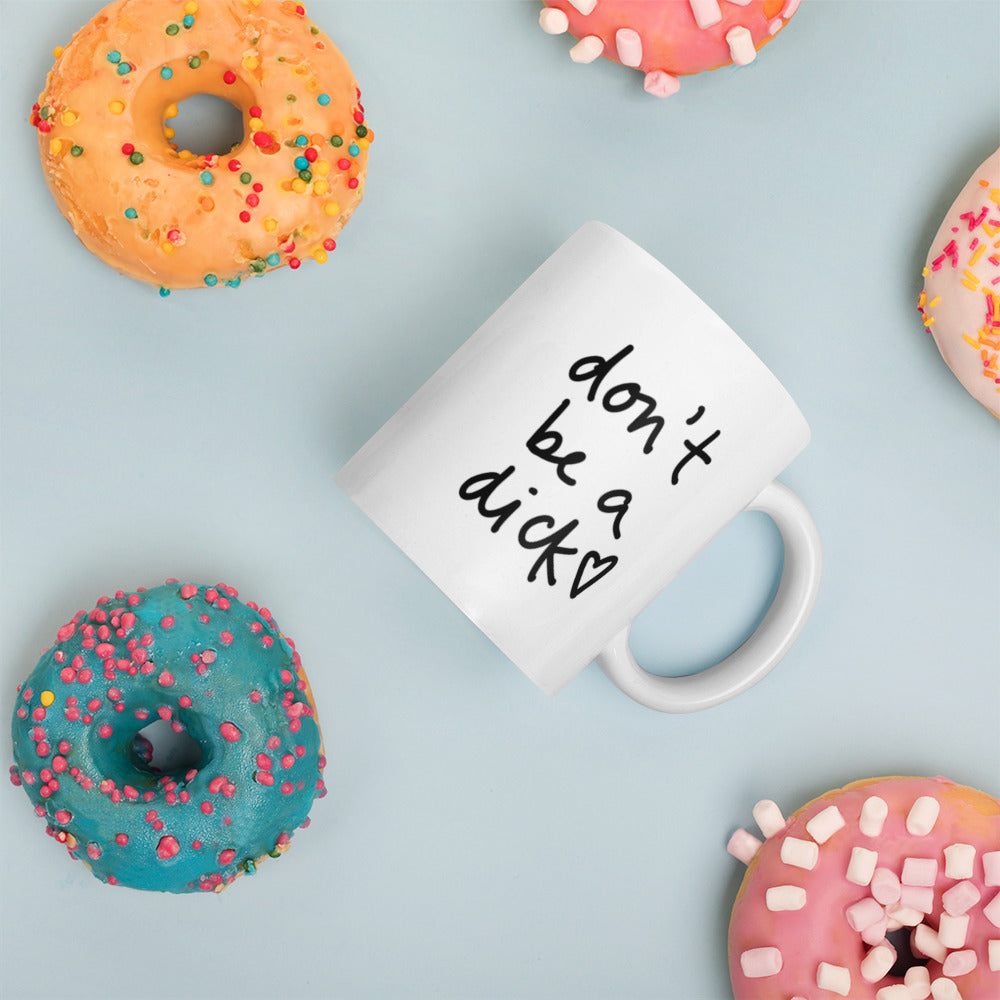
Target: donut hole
x=207 y=125
x=162 y=749
x=905 y=959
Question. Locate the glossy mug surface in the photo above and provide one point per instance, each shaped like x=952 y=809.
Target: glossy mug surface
x=576 y=453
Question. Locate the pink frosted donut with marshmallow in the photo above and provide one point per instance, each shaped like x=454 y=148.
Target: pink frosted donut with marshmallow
x=667 y=39
x=896 y=898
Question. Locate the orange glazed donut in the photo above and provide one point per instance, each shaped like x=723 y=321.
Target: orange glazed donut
x=886 y=889
x=667 y=39
x=170 y=217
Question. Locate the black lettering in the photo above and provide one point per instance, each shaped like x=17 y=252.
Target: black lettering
x=615 y=502
x=549 y=544
x=594 y=369
x=546 y=442
x=693 y=451
x=481 y=487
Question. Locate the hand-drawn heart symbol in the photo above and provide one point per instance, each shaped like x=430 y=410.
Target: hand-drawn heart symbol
x=601 y=568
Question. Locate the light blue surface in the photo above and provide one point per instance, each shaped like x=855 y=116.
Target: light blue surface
x=480 y=840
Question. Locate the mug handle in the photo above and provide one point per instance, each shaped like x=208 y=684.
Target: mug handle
x=743 y=668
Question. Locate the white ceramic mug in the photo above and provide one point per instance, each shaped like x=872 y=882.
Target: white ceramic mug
x=563 y=466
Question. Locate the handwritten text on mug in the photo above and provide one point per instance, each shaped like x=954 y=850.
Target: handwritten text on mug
x=541 y=533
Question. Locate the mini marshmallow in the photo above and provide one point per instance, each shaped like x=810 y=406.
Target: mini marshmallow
x=741 y=48
x=924 y=941
x=706 y=12
x=743 y=846
x=768 y=817
x=589 y=48
x=918 y=981
x=877 y=963
x=800 y=853
x=553 y=21
x=585 y=7
x=919 y=871
x=917 y=897
x=875 y=934
x=958 y=859
x=760 y=962
x=994 y=955
x=898 y=991
x=861 y=867
x=922 y=816
x=991 y=868
x=992 y=910
x=628 y=44
x=863 y=913
x=885 y=886
x=953 y=930
x=873 y=814
x=825 y=824
x=960 y=963
x=945 y=989
x=903 y=916
x=834 y=978
x=960 y=898
x=660 y=84
x=785 y=897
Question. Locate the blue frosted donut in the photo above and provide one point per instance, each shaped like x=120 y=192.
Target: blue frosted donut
x=222 y=676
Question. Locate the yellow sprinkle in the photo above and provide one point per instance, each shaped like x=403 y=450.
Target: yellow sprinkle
x=186 y=154
x=167 y=247
x=928 y=321
x=331 y=208
x=321 y=167
x=320 y=256
x=57 y=51
x=969 y=340
x=995 y=195
x=270 y=224
x=70 y=118
x=321 y=187
x=250 y=61
x=256 y=124
x=169 y=133
x=55 y=146
x=116 y=107
x=980 y=250
x=171 y=111
x=47 y=697
x=299 y=185
x=190 y=7
x=971 y=281
x=363 y=143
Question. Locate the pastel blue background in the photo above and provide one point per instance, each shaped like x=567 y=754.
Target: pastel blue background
x=480 y=840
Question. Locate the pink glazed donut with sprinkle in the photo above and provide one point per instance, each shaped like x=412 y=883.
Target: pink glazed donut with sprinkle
x=886 y=889
x=667 y=39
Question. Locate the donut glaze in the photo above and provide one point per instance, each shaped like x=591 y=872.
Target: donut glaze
x=960 y=300
x=667 y=39
x=175 y=219
x=881 y=856
x=216 y=669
